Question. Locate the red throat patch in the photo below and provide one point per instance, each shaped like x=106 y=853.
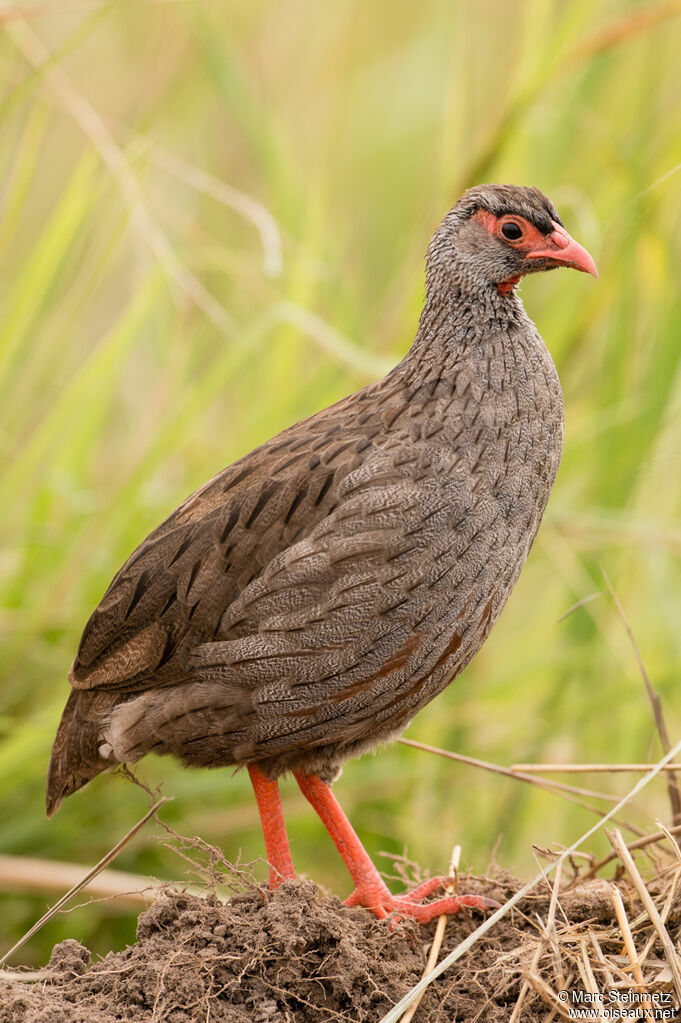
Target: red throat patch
x=506 y=287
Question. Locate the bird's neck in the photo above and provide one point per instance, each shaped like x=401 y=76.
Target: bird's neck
x=458 y=318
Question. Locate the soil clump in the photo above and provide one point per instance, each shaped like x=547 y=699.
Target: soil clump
x=297 y=956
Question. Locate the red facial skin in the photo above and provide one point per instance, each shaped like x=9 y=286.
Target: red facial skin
x=558 y=247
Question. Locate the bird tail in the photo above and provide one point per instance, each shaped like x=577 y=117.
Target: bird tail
x=75 y=758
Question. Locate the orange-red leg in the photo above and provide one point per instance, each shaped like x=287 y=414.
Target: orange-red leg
x=273 y=826
x=370 y=889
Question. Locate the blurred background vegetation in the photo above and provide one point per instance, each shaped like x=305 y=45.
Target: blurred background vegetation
x=214 y=216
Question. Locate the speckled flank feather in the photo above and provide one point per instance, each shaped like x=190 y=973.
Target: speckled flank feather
x=311 y=598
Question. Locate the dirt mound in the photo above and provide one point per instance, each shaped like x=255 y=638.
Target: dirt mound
x=297 y=956
x=264 y=957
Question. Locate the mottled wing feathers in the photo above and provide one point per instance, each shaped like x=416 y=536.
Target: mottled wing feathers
x=327 y=636
x=173 y=590
x=331 y=628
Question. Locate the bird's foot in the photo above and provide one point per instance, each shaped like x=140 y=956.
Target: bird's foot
x=370 y=888
x=374 y=895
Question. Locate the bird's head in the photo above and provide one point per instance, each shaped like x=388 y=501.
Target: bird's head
x=497 y=233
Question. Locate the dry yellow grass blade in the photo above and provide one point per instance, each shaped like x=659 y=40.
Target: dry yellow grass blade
x=439 y=933
x=669 y=834
x=672 y=956
x=669 y=901
x=628 y=938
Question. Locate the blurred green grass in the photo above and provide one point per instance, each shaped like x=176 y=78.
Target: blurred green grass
x=145 y=343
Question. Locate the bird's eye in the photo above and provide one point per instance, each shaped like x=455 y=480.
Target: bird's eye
x=512 y=231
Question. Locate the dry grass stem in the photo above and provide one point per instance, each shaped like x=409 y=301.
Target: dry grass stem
x=27 y=873
x=588 y=978
x=627 y=937
x=454 y=861
x=548 y=994
x=23 y=977
x=669 y=834
x=669 y=902
x=672 y=956
x=518 y=1007
x=587 y=768
x=464 y=947
x=508 y=772
x=640 y=843
x=602 y=961
x=550 y=932
x=84 y=882
x=551 y=926
x=571 y=946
